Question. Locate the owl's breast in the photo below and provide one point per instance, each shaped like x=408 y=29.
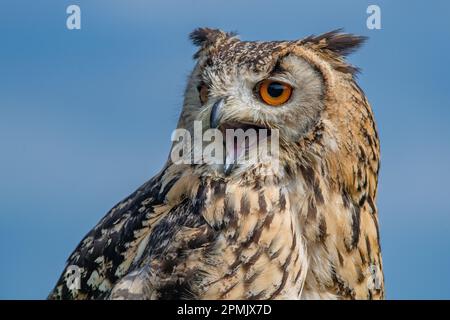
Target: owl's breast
x=260 y=251
x=229 y=242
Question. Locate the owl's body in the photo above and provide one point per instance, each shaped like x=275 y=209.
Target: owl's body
x=305 y=229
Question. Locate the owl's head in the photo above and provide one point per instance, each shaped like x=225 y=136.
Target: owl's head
x=293 y=86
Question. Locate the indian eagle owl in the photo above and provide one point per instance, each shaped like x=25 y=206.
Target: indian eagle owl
x=308 y=230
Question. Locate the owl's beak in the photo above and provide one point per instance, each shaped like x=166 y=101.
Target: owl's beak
x=216 y=113
x=214 y=123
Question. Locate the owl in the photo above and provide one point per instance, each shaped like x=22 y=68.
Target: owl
x=302 y=227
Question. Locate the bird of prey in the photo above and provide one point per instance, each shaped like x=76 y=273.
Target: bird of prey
x=302 y=227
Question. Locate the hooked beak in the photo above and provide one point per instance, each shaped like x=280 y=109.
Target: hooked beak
x=214 y=123
x=216 y=113
x=233 y=151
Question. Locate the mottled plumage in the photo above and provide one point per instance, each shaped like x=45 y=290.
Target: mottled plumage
x=307 y=230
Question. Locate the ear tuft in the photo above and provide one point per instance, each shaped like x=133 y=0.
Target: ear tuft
x=206 y=36
x=337 y=42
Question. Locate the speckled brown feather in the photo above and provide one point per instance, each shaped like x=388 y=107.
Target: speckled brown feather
x=308 y=232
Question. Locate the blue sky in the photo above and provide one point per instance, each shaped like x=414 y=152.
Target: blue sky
x=86 y=117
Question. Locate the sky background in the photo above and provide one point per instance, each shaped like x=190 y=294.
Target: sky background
x=86 y=117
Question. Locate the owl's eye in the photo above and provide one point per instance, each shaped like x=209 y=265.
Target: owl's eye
x=274 y=92
x=203 y=93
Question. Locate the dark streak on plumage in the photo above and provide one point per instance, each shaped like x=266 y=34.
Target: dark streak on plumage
x=245 y=205
x=281 y=286
x=356 y=225
x=219 y=188
x=322 y=230
x=342 y=287
x=225 y=292
x=308 y=175
x=369 y=249
x=262 y=203
x=340 y=258
x=282 y=201
x=257 y=296
x=275 y=254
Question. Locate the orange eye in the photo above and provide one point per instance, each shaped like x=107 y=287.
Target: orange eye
x=203 y=93
x=273 y=92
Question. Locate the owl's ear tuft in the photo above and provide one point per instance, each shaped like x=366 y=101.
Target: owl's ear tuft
x=340 y=43
x=205 y=37
x=202 y=36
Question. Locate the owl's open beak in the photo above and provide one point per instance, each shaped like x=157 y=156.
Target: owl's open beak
x=235 y=150
x=214 y=123
x=216 y=114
